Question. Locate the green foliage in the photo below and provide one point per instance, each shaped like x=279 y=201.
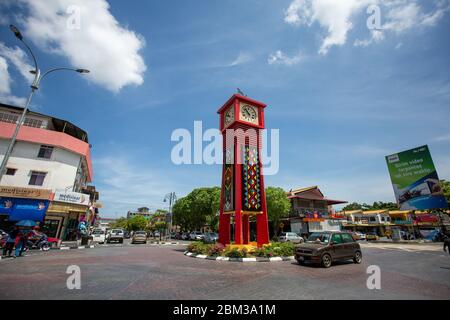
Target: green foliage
x=276 y=249
x=445 y=185
x=353 y=206
x=160 y=226
x=377 y=205
x=278 y=205
x=136 y=223
x=198 y=208
x=235 y=253
x=120 y=223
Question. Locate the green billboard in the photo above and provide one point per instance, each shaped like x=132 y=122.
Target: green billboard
x=415 y=180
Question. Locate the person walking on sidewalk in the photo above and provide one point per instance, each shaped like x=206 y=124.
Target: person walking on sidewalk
x=20 y=243
x=447 y=244
x=9 y=245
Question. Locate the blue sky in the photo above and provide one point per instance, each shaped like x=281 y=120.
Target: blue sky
x=343 y=97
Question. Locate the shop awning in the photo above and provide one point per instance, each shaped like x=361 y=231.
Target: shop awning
x=23 y=209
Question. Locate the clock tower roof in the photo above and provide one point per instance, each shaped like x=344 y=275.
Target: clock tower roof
x=241 y=98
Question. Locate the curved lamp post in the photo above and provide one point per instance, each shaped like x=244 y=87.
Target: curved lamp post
x=34 y=86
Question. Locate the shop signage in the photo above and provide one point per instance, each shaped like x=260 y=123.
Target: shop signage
x=72 y=197
x=415 y=180
x=23 y=209
x=26 y=193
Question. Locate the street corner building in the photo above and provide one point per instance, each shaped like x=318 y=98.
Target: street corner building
x=47 y=174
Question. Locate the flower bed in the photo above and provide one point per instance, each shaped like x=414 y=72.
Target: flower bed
x=274 y=249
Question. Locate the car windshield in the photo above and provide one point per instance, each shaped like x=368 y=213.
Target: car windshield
x=97 y=231
x=319 y=237
x=140 y=232
x=116 y=231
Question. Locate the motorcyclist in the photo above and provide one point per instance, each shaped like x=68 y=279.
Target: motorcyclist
x=35 y=236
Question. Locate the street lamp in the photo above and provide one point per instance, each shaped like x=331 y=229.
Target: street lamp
x=34 y=86
x=171 y=197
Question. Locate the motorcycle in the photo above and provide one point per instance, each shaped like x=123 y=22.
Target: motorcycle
x=43 y=243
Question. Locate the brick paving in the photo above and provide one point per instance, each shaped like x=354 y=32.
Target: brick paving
x=163 y=272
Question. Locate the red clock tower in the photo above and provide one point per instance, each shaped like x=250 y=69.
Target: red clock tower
x=243 y=195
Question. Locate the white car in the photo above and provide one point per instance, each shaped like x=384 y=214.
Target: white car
x=98 y=235
x=360 y=236
x=196 y=235
x=290 y=237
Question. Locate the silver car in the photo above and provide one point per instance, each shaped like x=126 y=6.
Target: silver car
x=290 y=237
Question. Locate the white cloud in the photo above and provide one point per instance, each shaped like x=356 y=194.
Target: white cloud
x=100 y=44
x=242 y=58
x=336 y=17
x=377 y=36
x=125 y=185
x=443 y=138
x=5 y=86
x=280 y=57
x=19 y=59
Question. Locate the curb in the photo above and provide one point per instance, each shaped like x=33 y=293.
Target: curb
x=252 y=259
x=78 y=247
x=165 y=243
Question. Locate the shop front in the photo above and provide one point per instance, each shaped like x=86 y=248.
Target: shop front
x=64 y=214
x=22 y=204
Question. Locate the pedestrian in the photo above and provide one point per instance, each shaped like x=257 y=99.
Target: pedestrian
x=9 y=245
x=20 y=242
x=447 y=244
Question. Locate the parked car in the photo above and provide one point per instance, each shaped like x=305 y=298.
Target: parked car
x=290 y=237
x=327 y=247
x=196 y=235
x=115 y=235
x=185 y=236
x=98 y=235
x=371 y=236
x=210 y=237
x=156 y=234
x=139 y=237
x=358 y=236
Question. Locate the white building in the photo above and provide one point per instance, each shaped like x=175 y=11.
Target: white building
x=50 y=155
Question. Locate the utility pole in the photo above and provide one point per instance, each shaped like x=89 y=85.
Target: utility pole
x=34 y=87
x=171 y=197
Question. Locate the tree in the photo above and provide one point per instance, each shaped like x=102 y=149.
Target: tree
x=352 y=206
x=160 y=226
x=278 y=205
x=445 y=185
x=198 y=208
x=377 y=205
x=120 y=223
x=136 y=223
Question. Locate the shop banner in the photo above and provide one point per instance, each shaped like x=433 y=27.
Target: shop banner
x=72 y=197
x=415 y=180
x=18 y=192
x=23 y=209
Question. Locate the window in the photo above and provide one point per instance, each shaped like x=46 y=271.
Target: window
x=372 y=219
x=347 y=237
x=336 y=239
x=32 y=123
x=45 y=152
x=37 y=178
x=10 y=171
x=7 y=117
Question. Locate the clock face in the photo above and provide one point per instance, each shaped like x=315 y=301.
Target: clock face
x=229 y=116
x=249 y=113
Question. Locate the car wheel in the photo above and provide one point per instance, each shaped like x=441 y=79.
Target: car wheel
x=301 y=262
x=326 y=260
x=358 y=257
x=121 y=241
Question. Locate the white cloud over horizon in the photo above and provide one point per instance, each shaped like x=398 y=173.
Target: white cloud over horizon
x=5 y=86
x=101 y=44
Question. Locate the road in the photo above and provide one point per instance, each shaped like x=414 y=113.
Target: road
x=163 y=272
